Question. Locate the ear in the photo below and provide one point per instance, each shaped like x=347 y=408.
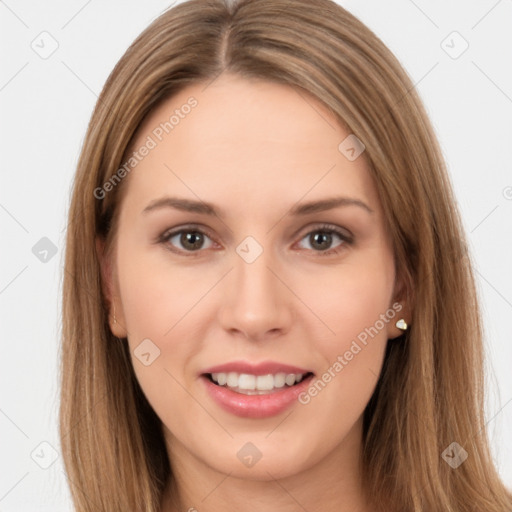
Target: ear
x=110 y=292
x=402 y=306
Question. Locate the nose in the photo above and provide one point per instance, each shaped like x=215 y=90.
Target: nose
x=255 y=303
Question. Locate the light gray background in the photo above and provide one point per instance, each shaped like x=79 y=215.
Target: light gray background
x=45 y=109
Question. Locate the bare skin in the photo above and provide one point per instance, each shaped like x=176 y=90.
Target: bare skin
x=255 y=150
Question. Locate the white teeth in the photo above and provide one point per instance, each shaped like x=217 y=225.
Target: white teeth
x=245 y=381
x=280 y=380
x=222 y=379
x=263 y=382
x=232 y=380
x=290 y=379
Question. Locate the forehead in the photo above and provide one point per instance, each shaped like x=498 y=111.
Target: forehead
x=245 y=138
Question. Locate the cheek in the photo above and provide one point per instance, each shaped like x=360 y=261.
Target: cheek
x=156 y=295
x=355 y=304
x=158 y=305
x=167 y=305
x=352 y=298
x=148 y=312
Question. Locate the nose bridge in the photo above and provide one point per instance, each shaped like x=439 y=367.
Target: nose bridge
x=254 y=279
x=254 y=301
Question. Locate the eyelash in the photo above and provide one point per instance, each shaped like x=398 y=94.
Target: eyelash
x=324 y=228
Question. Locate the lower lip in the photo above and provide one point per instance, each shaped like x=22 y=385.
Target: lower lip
x=255 y=406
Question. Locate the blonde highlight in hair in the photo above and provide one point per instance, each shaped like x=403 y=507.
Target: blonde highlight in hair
x=429 y=393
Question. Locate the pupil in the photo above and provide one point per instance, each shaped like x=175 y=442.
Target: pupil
x=193 y=239
x=320 y=237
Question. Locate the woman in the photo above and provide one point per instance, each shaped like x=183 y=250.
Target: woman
x=267 y=301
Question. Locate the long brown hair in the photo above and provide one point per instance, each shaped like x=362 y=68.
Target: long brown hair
x=429 y=394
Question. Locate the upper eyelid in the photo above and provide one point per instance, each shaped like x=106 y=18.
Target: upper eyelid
x=190 y=227
x=325 y=226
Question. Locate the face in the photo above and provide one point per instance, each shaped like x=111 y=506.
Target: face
x=253 y=252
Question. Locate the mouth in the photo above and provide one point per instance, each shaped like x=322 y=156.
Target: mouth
x=255 y=396
x=255 y=391
x=250 y=384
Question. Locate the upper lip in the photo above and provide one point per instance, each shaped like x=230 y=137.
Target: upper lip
x=263 y=368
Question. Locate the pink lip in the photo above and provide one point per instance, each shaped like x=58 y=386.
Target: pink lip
x=255 y=406
x=263 y=368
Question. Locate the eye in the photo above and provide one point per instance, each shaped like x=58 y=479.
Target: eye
x=190 y=239
x=321 y=239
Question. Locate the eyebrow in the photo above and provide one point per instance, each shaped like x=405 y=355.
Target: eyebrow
x=201 y=207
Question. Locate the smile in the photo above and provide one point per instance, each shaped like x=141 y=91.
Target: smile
x=255 y=403
x=249 y=384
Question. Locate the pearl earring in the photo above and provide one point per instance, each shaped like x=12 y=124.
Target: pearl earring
x=401 y=324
